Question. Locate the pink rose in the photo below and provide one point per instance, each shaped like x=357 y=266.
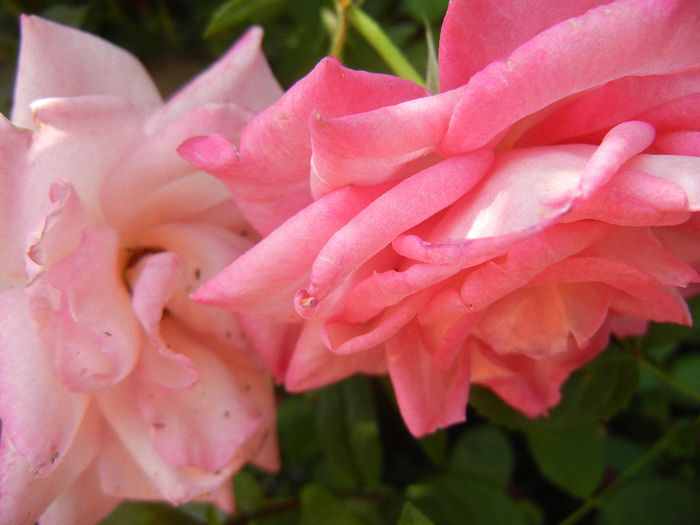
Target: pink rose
x=113 y=383
x=495 y=233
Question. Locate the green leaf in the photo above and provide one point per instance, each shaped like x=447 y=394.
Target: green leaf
x=620 y=452
x=203 y=512
x=435 y=446
x=571 y=458
x=686 y=370
x=320 y=507
x=484 y=451
x=349 y=432
x=295 y=423
x=148 y=514
x=456 y=499
x=650 y=502
x=531 y=511
x=432 y=74
x=249 y=493
x=410 y=515
x=73 y=16
x=593 y=393
x=433 y=10
x=235 y=12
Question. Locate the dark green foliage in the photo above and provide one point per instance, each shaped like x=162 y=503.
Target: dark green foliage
x=652 y=501
x=457 y=499
x=571 y=458
x=483 y=450
x=410 y=515
x=593 y=393
x=349 y=433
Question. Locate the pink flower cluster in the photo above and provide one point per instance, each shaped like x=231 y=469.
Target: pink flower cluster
x=113 y=383
x=498 y=232
x=495 y=233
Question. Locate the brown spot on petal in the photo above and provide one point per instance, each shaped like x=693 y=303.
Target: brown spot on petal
x=227 y=413
x=54 y=457
x=159 y=424
x=198 y=274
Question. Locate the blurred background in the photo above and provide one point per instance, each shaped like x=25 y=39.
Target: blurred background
x=177 y=38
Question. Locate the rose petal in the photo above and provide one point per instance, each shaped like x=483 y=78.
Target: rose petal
x=371 y=295
x=82 y=502
x=678 y=114
x=205 y=250
x=532 y=385
x=81 y=139
x=634 y=37
x=473 y=35
x=153 y=184
x=247 y=283
x=313 y=366
x=682 y=241
x=682 y=171
x=386 y=143
x=267 y=182
x=14 y=227
x=204 y=425
x=654 y=99
x=619 y=145
x=159 y=274
x=130 y=465
x=525 y=191
x=39 y=414
x=679 y=143
x=636 y=198
x=429 y=398
x=24 y=495
x=58 y=61
x=241 y=76
x=347 y=338
x=273 y=340
x=652 y=302
x=640 y=248
x=95 y=336
x=398 y=209
x=538 y=322
x=499 y=277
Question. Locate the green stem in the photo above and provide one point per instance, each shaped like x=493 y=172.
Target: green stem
x=595 y=501
x=381 y=43
x=341 y=29
x=670 y=381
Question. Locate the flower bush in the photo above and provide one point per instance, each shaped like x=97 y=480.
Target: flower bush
x=113 y=383
x=497 y=232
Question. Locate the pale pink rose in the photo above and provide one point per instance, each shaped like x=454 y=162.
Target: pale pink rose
x=114 y=384
x=495 y=233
